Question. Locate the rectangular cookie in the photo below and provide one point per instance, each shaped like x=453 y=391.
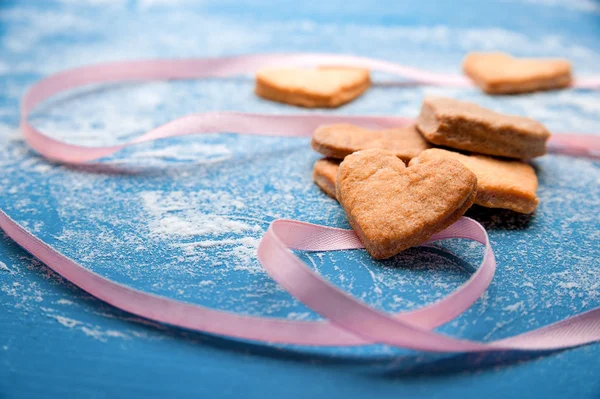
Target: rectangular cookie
x=467 y=126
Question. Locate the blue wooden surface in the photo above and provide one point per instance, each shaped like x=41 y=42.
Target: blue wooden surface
x=182 y=217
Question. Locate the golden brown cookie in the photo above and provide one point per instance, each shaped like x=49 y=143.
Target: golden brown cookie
x=467 y=126
x=325 y=174
x=325 y=87
x=501 y=183
x=340 y=140
x=392 y=207
x=500 y=73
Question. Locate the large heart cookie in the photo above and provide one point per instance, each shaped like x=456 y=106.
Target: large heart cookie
x=499 y=73
x=501 y=183
x=340 y=140
x=325 y=87
x=392 y=207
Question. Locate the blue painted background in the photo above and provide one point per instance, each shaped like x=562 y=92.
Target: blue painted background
x=182 y=217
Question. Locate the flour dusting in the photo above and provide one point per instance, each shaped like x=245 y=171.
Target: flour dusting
x=183 y=217
x=172 y=214
x=4 y=268
x=197 y=153
x=65 y=321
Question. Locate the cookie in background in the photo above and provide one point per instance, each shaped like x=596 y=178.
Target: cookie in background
x=500 y=73
x=324 y=87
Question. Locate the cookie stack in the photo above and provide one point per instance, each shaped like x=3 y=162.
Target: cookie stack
x=400 y=186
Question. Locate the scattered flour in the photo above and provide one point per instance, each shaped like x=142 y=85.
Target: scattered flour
x=194 y=224
x=528 y=284
x=518 y=306
x=67 y=322
x=95 y=332
x=4 y=268
x=250 y=242
x=299 y=315
x=103 y=335
x=174 y=215
x=209 y=218
x=197 y=152
x=568 y=285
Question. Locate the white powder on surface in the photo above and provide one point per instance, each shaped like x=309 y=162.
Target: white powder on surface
x=103 y=335
x=568 y=285
x=196 y=225
x=95 y=332
x=518 y=306
x=197 y=153
x=67 y=322
x=528 y=285
x=246 y=241
x=4 y=268
x=174 y=215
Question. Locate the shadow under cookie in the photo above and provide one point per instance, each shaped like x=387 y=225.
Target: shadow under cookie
x=499 y=219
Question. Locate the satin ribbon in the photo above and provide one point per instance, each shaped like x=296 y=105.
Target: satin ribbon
x=348 y=320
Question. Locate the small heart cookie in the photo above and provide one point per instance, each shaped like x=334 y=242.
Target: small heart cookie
x=340 y=140
x=392 y=207
x=325 y=87
x=325 y=174
x=500 y=73
x=467 y=126
x=501 y=183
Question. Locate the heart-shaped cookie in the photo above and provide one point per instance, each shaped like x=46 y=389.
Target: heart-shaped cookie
x=501 y=183
x=325 y=87
x=392 y=207
x=500 y=73
x=340 y=140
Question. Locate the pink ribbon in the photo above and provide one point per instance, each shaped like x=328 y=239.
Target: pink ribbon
x=348 y=320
